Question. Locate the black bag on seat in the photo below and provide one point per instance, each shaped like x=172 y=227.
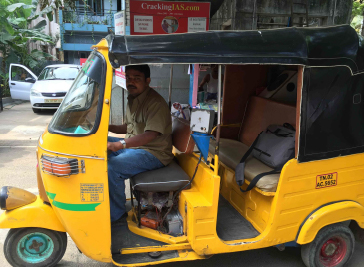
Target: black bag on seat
x=274 y=147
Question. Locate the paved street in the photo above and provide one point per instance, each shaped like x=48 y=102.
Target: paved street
x=19 y=131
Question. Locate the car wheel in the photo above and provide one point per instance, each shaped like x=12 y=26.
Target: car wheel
x=36 y=247
x=36 y=110
x=333 y=246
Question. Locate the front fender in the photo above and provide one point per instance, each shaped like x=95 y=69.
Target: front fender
x=329 y=214
x=36 y=214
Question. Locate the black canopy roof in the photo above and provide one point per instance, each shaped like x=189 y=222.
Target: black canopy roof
x=330 y=46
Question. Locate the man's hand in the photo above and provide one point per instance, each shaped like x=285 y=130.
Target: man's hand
x=114 y=146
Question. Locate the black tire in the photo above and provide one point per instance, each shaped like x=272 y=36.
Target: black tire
x=333 y=246
x=30 y=235
x=36 y=110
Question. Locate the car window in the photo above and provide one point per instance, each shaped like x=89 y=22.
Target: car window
x=58 y=73
x=19 y=74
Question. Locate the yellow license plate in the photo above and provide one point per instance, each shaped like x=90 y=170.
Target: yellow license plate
x=326 y=180
x=53 y=100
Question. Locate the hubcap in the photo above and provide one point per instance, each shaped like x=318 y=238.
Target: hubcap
x=333 y=251
x=35 y=247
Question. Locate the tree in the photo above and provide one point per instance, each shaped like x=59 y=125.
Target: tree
x=15 y=34
x=357 y=16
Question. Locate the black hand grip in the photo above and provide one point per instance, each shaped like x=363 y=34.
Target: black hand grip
x=12 y=83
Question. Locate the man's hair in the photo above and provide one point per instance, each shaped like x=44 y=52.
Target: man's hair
x=142 y=68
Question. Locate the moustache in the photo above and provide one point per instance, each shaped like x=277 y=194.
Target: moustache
x=130 y=87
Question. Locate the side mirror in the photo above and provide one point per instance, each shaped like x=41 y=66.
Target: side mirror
x=29 y=80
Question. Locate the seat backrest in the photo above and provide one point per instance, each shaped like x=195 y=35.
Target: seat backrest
x=261 y=113
x=181 y=135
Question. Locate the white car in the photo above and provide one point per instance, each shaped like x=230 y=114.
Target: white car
x=46 y=91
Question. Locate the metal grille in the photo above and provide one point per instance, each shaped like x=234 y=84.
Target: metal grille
x=54 y=94
x=61 y=166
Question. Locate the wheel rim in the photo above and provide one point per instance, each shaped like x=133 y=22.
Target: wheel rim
x=333 y=251
x=35 y=247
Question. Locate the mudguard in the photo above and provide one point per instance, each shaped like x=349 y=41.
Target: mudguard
x=329 y=214
x=36 y=214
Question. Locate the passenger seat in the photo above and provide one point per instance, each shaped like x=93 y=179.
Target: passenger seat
x=259 y=115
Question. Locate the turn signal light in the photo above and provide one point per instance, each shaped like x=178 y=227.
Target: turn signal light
x=12 y=198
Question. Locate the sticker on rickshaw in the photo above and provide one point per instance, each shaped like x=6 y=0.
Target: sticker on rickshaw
x=326 y=180
x=92 y=192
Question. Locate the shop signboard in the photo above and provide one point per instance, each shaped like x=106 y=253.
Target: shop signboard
x=119 y=23
x=162 y=17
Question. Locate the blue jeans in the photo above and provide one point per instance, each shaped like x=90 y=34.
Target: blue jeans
x=123 y=164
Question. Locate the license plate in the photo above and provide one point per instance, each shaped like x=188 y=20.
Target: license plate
x=326 y=180
x=53 y=100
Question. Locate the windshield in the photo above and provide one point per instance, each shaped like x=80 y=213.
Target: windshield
x=79 y=110
x=58 y=73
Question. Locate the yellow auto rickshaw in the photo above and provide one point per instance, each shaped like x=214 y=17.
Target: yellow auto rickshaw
x=312 y=202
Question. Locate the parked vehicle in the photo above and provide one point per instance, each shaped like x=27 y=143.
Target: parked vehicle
x=310 y=204
x=46 y=91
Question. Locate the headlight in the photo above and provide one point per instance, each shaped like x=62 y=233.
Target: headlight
x=35 y=93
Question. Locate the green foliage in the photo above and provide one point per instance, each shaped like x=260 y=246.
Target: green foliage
x=16 y=34
x=358 y=9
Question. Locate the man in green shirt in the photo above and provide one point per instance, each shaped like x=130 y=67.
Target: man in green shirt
x=148 y=141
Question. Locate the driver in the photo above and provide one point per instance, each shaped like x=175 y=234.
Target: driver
x=148 y=142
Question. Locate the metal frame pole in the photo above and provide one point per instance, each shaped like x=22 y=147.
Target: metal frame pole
x=170 y=88
x=216 y=163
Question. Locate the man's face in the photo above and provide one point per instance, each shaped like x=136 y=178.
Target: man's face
x=136 y=82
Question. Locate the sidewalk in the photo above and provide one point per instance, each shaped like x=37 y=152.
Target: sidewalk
x=8 y=101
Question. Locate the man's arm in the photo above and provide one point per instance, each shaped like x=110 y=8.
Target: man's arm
x=205 y=80
x=135 y=141
x=118 y=129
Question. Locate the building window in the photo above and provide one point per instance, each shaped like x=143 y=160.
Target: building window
x=91 y=7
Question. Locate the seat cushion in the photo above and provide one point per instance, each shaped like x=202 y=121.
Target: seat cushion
x=169 y=178
x=231 y=152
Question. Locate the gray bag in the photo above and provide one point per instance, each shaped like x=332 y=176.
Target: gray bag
x=274 y=147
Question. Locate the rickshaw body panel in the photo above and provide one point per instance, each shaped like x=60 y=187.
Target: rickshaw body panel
x=86 y=221
x=278 y=217
x=36 y=214
x=330 y=214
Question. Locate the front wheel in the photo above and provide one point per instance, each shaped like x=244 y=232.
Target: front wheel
x=332 y=247
x=36 y=110
x=36 y=247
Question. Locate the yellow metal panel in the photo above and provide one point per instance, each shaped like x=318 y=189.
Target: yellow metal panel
x=36 y=214
x=89 y=227
x=334 y=213
x=137 y=250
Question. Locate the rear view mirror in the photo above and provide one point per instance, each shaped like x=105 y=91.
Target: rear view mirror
x=30 y=80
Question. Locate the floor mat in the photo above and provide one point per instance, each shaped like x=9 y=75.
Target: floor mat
x=231 y=225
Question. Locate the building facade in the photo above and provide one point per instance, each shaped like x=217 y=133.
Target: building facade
x=87 y=25
x=266 y=14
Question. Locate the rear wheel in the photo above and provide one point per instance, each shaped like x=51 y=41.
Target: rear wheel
x=36 y=247
x=332 y=247
x=36 y=110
